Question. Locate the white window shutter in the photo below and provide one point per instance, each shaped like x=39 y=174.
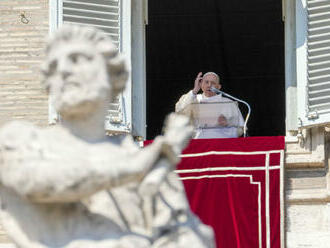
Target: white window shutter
x=113 y=17
x=313 y=61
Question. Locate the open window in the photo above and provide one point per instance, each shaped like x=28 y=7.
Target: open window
x=242 y=41
x=123 y=21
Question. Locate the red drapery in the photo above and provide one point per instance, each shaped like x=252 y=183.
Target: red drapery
x=235 y=186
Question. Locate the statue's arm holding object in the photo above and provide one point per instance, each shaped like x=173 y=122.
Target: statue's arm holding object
x=55 y=172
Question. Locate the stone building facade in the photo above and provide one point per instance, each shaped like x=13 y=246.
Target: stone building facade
x=23 y=28
x=24 y=24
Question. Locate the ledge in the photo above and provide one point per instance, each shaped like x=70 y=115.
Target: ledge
x=307 y=196
x=306 y=153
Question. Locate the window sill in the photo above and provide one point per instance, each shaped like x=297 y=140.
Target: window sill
x=308 y=153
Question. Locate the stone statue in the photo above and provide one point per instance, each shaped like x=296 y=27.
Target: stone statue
x=70 y=186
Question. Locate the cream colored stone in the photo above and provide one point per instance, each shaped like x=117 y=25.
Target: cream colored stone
x=70 y=185
x=308 y=225
x=307 y=152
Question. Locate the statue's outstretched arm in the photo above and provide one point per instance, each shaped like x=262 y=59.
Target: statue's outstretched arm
x=54 y=171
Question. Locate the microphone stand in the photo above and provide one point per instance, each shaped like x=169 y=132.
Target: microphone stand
x=215 y=90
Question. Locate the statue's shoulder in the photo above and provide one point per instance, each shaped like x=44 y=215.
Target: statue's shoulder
x=18 y=132
x=14 y=125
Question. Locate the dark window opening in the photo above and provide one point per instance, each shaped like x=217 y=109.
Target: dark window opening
x=242 y=41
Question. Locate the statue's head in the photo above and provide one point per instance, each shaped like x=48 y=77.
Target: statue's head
x=83 y=70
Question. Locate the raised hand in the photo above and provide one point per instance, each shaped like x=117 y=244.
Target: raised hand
x=197 y=84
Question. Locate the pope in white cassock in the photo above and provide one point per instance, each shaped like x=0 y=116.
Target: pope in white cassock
x=214 y=116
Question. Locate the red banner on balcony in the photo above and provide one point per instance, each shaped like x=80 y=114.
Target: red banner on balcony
x=236 y=186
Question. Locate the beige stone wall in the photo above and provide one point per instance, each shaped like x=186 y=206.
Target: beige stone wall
x=22 y=43
x=308 y=196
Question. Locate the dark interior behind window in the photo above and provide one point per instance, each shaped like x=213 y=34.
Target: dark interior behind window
x=242 y=41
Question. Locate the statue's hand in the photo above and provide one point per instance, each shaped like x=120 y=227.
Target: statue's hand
x=177 y=132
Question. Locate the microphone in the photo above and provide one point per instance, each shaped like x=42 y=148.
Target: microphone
x=218 y=92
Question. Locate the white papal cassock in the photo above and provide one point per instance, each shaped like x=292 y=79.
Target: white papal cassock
x=182 y=106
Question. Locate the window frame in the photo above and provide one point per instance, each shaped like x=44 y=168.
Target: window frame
x=305 y=142
x=297 y=23
x=133 y=20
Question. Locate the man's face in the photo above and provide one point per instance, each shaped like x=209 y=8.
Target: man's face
x=77 y=78
x=209 y=81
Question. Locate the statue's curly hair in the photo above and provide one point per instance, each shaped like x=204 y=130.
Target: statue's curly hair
x=116 y=65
